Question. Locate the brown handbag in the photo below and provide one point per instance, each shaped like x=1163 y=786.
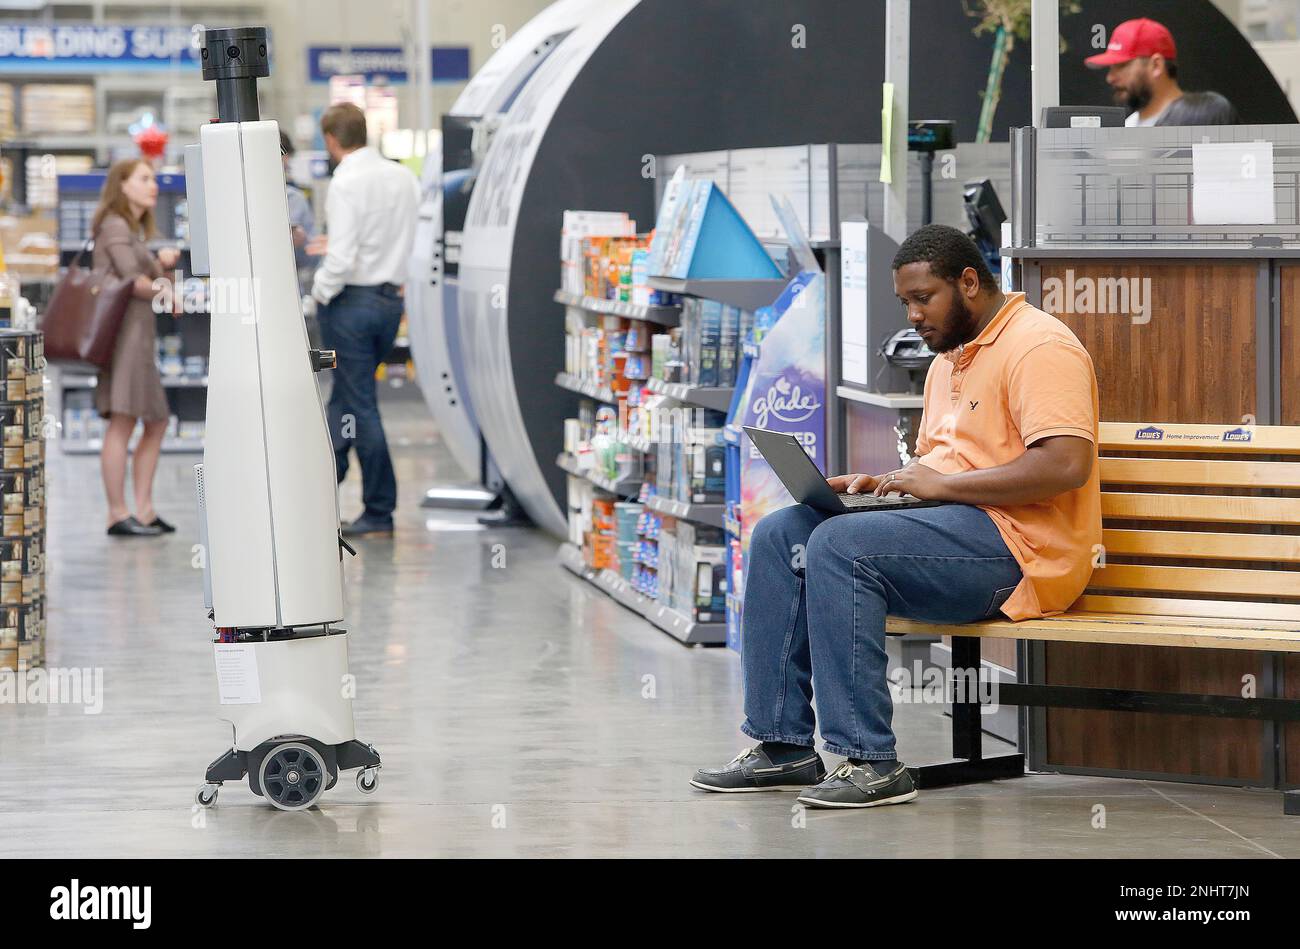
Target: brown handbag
x=85 y=314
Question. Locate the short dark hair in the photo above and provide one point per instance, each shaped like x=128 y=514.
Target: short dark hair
x=948 y=252
x=1171 y=69
x=346 y=123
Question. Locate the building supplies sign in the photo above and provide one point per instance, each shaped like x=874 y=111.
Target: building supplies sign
x=95 y=48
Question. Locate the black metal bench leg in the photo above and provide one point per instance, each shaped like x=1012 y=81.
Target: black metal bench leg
x=968 y=764
x=967 y=739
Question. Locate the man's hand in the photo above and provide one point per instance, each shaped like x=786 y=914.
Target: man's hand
x=916 y=480
x=852 y=483
x=318 y=246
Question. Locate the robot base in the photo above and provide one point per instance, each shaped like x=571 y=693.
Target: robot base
x=292 y=771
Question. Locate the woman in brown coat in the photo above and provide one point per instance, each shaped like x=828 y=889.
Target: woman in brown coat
x=131 y=389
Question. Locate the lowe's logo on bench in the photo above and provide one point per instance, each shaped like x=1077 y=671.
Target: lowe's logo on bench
x=1150 y=434
x=1236 y=435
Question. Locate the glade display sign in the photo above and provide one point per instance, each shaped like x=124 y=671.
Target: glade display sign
x=786 y=392
x=30 y=48
x=449 y=63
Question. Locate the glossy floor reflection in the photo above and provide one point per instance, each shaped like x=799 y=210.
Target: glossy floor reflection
x=509 y=706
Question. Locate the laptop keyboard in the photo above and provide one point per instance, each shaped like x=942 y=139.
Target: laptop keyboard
x=859 y=502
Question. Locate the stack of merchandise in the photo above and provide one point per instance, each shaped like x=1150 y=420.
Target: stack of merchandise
x=627 y=516
x=81 y=422
x=600 y=545
x=604 y=258
x=612 y=353
x=581 y=497
x=692 y=570
x=58 y=108
x=709 y=342
x=699 y=574
x=8 y=128
x=691 y=457
x=645 y=555
x=706 y=349
x=43 y=176
x=22 y=500
x=577 y=229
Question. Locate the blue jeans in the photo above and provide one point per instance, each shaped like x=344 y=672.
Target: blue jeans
x=360 y=325
x=816 y=594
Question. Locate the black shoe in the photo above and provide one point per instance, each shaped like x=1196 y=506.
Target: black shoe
x=162 y=525
x=752 y=770
x=366 y=525
x=852 y=785
x=130 y=527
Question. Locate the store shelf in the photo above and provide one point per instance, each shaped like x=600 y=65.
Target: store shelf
x=628 y=488
x=747 y=294
x=716 y=398
x=93 y=446
x=586 y=387
x=169 y=382
x=708 y=514
x=884 y=400
x=668 y=316
x=665 y=618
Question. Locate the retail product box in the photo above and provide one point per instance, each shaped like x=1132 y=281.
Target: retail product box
x=572 y=435
x=710 y=603
x=667 y=560
x=708 y=343
x=705 y=457
x=729 y=346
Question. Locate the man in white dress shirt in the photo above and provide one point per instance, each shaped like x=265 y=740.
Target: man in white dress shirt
x=370 y=211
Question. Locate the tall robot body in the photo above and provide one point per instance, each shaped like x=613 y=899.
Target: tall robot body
x=268 y=500
x=270 y=491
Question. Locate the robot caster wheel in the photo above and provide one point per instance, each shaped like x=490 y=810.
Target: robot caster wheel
x=367 y=780
x=293 y=776
x=206 y=795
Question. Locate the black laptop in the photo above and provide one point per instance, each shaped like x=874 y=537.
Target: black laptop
x=807 y=485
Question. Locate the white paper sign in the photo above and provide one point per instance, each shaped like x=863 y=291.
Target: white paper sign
x=1232 y=183
x=237 y=679
x=854 y=346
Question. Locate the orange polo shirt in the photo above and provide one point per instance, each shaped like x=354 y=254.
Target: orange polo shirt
x=1024 y=378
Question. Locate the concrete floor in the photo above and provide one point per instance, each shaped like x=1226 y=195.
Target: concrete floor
x=508 y=707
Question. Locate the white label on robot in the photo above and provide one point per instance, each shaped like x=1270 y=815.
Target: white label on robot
x=237 y=679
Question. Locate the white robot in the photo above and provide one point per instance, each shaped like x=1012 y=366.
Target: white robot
x=268 y=500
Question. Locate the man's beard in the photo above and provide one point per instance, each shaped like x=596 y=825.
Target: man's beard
x=961 y=325
x=1136 y=97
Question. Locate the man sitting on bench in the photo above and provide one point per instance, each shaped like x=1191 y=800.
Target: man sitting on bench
x=1008 y=439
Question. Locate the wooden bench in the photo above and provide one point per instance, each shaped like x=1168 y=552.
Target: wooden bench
x=1178 y=502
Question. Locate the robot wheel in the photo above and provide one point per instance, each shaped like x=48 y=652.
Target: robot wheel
x=293 y=776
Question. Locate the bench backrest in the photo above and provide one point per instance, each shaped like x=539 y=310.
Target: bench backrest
x=1199 y=520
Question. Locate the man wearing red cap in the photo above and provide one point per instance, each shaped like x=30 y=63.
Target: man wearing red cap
x=1142 y=71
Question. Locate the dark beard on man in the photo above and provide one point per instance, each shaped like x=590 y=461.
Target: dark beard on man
x=1137 y=97
x=961 y=325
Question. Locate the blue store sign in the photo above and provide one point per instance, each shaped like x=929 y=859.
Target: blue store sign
x=449 y=63
x=95 y=48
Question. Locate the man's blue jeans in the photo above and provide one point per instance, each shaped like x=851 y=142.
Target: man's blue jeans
x=816 y=594
x=360 y=325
